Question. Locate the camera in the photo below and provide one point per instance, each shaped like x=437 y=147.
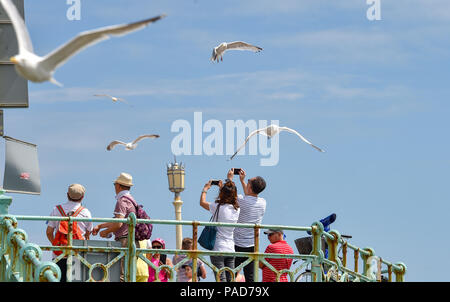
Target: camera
x=215 y=182
x=237 y=171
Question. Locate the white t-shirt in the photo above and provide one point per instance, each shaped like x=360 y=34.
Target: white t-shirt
x=224 y=237
x=252 y=212
x=72 y=206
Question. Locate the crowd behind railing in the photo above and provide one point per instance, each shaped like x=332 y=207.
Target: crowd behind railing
x=230 y=239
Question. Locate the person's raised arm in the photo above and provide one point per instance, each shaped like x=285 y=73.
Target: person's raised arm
x=242 y=179
x=230 y=174
x=203 y=203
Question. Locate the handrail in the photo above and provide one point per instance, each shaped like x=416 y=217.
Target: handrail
x=21 y=261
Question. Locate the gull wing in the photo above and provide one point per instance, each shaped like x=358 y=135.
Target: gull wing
x=91 y=37
x=145 y=136
x=239 y=45
x=299 y=135
x=105 y=95
x=246 y=140
x=113 y=143
x=23 y=37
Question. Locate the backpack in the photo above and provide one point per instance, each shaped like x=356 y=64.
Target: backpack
x=63 y=229
x=143 y=231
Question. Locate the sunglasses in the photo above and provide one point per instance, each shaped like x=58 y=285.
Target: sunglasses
x=156 y=246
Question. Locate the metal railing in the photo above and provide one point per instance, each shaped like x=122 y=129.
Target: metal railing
x=21 y=261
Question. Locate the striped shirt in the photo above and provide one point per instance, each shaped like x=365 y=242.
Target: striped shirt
x=279 y=247
x=252 y=211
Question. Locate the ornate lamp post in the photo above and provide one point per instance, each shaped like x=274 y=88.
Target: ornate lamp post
x=175 y=175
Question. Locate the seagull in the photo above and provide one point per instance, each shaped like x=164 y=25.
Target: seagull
x=218 y=51
x=40 y=69
x=271 y=131
x=113 y=98
x=133 y=144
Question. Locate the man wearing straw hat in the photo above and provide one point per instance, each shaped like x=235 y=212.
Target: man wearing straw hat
x=125 y=204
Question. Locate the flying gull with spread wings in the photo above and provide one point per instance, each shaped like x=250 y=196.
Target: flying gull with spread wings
x=271 y=131
x=113 y=98
x=219 y=51
x=133 y=144
x=40 y=69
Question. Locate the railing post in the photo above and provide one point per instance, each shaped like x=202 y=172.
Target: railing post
x=316 y=270
x=194 y=248
x=69 y=260
x=365 y=258
x=333 y=245
x=130 y=267
x=5 y=202
x=400 y=273
x=256 y=259
x=356 y=258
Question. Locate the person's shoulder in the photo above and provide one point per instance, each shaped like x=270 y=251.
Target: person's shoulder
x=85 y=212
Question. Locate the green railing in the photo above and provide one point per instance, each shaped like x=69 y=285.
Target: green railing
x=21 y=261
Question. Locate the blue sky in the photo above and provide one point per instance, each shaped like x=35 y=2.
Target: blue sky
x=373 y=94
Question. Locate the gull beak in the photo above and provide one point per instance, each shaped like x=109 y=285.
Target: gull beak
x=14 y=60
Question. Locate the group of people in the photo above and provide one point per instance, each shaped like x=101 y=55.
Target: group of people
x=231 y=207
x=248 y=208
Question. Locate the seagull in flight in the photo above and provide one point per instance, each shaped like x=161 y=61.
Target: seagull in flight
x=218 y=51
x=40 y=69
x=133 y=144
x=113 y=98
x=271 y=131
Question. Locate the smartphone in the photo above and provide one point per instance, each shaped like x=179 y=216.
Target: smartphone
x=237 y=171
x=214 y=182
x=163 y=258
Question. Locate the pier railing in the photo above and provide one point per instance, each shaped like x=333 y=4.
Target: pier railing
x=21 y=260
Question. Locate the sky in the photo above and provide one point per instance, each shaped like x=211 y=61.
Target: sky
x=372 y=94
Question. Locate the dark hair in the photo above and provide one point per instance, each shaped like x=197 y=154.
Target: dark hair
x=228 y=195
x=258 y=184
x=186 y=244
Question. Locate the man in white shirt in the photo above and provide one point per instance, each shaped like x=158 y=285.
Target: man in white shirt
x=75 y=195
x=252 y=211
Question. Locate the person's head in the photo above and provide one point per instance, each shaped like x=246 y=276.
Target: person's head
x=187 y=270
x=186 y=244
x=159 y=244
x=228 y=194
x=75 y=192
x=123 y=182
x=256 y=185
x=274 y=235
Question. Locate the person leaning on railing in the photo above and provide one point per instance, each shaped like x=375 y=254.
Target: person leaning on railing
x=125 y=205
x=228 y=212
x=72 y=207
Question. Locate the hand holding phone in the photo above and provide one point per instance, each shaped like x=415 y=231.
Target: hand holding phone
x=215 y=182
x=237 y=171
x=163 y=258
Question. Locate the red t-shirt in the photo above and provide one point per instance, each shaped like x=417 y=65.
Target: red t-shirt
x=279 y=247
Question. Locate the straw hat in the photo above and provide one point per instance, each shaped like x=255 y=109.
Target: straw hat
x=124 y=179
x=76 y=191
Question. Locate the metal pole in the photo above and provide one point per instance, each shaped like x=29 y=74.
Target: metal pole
x=179 y=231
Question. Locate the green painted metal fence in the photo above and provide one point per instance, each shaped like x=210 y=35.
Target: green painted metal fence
x=21 y=261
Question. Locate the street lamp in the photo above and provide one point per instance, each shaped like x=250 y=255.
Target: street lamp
x=175 y=175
